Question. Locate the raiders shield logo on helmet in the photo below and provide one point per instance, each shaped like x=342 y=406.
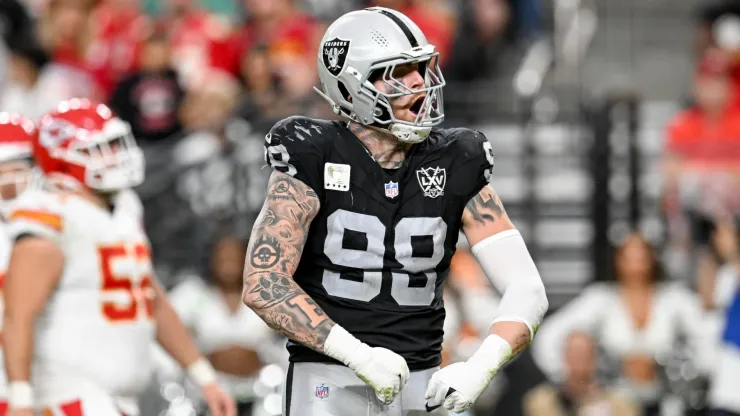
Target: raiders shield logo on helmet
x=335 y=55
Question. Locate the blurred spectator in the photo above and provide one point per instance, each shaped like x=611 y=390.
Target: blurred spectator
x=718 y=25
x=290 y=38
x=639 y=322
x=207 y=108
x=702 y=161
x=708 y=135
x=200 y=42
x=478 y=40
x=118 y=28
x=580 y=392
x=65 y=33
x=235 y=340
x=270 y=97
x=18 y=27
x=275 y=56
x=262 y=105
x=150 y=98
x=20 y=93
x=719 y=31
x=199 y=180
x=36 y=85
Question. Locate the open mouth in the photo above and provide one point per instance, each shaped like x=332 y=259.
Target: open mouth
x=416 y=106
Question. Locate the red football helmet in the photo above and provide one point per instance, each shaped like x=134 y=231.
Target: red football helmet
x=17 y=134
x=83 y=142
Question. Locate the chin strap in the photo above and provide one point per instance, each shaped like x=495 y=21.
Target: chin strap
x=403 y=132
x=410 y=134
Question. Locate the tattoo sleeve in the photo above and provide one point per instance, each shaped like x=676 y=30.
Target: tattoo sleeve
x=275 y=248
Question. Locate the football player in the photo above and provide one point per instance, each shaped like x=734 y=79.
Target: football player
x=16 y=161
x=81 y=302
x=350 y=253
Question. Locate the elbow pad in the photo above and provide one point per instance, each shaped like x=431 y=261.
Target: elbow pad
x=509 y=266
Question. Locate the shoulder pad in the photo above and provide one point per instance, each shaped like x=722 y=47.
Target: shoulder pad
x=295 y=146
x=39 y=213
x=473 y=158
x=474 y=145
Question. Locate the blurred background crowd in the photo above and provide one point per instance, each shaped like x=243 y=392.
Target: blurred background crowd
x=616 y=129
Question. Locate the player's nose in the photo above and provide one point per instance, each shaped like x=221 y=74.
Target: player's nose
x=414 y=80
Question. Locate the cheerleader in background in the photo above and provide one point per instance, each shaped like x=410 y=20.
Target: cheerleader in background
x=236 y=341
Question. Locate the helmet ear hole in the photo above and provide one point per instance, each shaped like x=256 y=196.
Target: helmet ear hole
x=346 y=95
x=344 y=91
x=384 y=115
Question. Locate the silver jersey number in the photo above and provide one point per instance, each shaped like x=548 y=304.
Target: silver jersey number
x=371 y=259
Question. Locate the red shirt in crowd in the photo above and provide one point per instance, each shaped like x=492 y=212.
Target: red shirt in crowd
x=117 y=40
x=705 y=143
x=296 y=34
x=200 y=43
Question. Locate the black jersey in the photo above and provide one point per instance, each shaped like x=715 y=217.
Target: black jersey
x=378 y=252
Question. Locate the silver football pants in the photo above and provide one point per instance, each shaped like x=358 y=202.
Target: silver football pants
x=319 y=389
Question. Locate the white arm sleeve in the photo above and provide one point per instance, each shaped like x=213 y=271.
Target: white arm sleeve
x=506 y=261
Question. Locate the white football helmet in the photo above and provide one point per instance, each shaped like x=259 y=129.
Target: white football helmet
x=364 y=46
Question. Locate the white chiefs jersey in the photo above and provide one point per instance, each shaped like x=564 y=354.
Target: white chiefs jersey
x=97 y=328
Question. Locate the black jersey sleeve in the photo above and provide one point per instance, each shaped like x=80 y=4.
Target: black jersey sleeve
x=474 y=163
x=293 y=147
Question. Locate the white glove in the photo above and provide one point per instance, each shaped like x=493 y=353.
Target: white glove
x=382 y=369
x=468 y=379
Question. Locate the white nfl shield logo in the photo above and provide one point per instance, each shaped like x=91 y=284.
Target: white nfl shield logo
x=391 y=189
x=322 y=391
x=432 y=181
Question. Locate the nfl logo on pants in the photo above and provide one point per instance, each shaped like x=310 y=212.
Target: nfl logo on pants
x=322 y=392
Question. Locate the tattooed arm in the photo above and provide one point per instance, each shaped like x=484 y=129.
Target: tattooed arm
x=484 y=216
x=275 y=248
x=507 y=263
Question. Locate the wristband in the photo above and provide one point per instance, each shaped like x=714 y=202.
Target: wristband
x=20 y=395
x=342 y=346
x=492 y=354
x=201 y=372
